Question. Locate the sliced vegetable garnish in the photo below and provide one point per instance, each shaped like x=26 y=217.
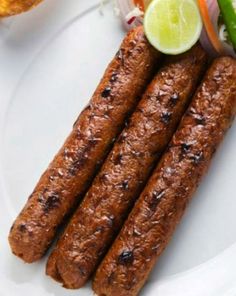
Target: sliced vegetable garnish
x=172 y=26
x=130 y=14
x=133 y=15
x=140 y=4
x=212 y=34
x=228 y=11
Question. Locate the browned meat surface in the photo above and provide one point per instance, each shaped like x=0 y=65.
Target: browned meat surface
x=70 y=173
x=124 y=173
x=161 y=205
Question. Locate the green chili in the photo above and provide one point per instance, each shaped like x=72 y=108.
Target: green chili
x=228 y=11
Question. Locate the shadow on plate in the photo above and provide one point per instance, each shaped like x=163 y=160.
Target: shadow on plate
x=19 y=272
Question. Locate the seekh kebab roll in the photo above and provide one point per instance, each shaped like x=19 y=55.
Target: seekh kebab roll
x=67 y=178
x=125 y=171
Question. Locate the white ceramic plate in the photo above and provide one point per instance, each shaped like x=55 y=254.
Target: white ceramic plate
x=51 y=60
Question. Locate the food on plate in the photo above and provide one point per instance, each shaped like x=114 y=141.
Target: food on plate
x=218 y=35
x=171 y=26
x=142 y=4
x=228 y=12
x=69 y=175
x=209 y=37
x=126 y=170
x=215 y=36
x=110 y=154
x=161 y=205
x=131 y=12
x=12 y=7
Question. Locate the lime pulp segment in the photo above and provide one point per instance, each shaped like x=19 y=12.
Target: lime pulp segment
x=173 y=26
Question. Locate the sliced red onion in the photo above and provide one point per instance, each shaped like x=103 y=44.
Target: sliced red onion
x=214 y=12
x=206 y=43
x=130 y=14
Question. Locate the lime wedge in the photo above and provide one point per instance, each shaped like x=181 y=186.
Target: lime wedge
x=173 y=26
